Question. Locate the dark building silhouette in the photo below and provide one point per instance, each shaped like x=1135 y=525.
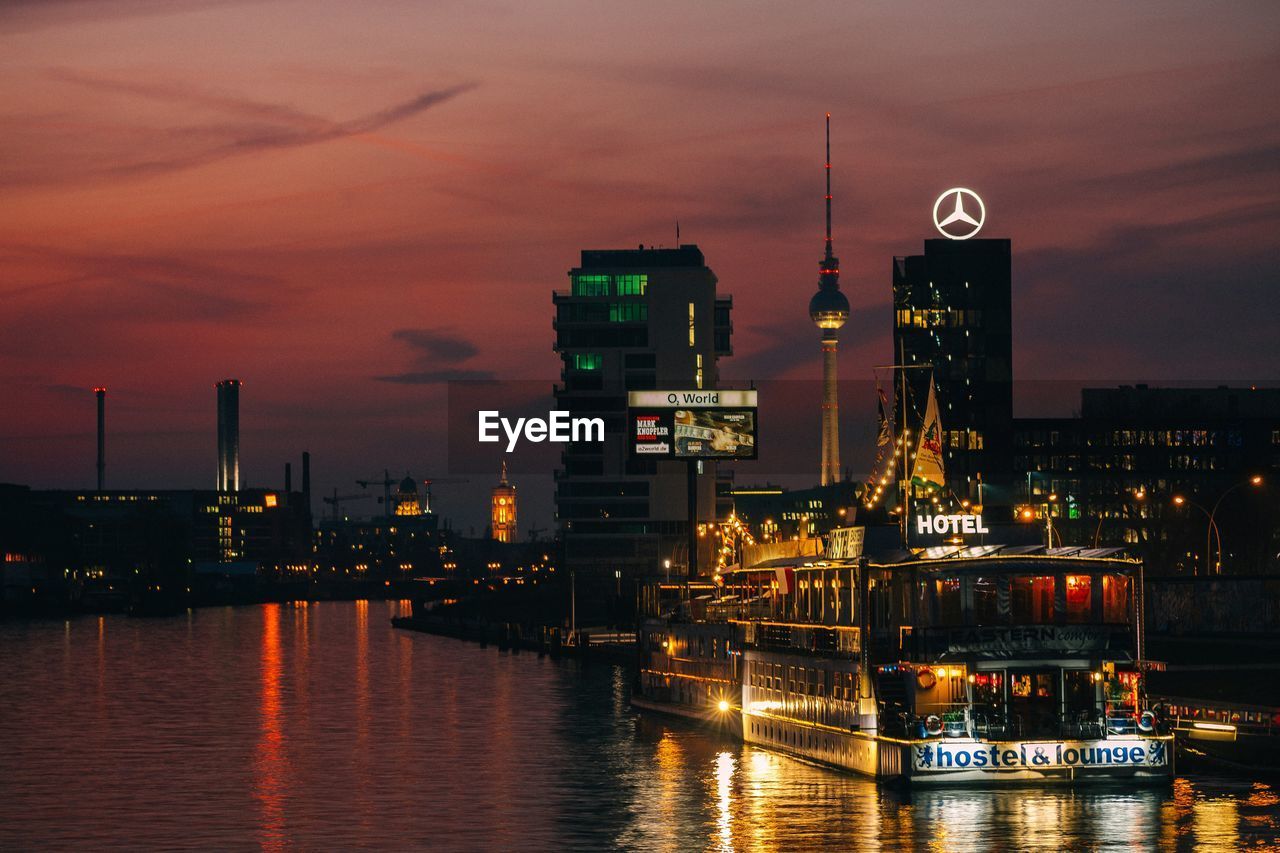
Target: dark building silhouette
x=229 y=435
x=952 y=309
x=1118 y=470
x=632 y=319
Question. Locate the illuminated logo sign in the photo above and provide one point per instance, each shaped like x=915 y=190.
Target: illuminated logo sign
x=942 y=525
x=845 y=543
x=953 y=213
x=1113 y=752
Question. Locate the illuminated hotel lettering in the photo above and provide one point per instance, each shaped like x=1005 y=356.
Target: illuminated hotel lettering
x=944 y=524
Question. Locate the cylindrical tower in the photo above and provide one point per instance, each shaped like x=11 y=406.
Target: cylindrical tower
x=829 y=308
x=229 y=435
x=101 y=394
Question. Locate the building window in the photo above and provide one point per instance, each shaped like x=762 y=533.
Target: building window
x=1079 y=598
x=1115 y=599
x=591 y=285
x=1032 y=599
x=691 y=336
x=630 y=285
x=628 y=312
x=587 y=360
x=698 y=375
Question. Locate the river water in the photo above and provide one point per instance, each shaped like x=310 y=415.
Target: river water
x=319 y=726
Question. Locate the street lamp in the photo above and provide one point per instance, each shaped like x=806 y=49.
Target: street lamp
x=1255 y=481
x=1179 y=500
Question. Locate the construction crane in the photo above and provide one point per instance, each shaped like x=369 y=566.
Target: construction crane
x=386 y=482
x=337 y=500
x=427 y=483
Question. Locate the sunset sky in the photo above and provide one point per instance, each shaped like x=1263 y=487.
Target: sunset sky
x=343 y=204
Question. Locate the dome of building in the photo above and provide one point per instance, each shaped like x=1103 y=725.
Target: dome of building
x=408 y=485
x=829 y=308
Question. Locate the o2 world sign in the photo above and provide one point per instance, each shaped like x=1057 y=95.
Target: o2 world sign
x=1121 y=752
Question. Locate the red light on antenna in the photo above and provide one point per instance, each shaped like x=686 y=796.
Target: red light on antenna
x=99 y=390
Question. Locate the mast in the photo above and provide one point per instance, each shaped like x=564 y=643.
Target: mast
x=904 y=486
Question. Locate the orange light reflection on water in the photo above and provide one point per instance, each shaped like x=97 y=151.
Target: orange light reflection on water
x=270 y=760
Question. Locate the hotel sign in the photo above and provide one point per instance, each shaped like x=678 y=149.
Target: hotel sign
x=943 y=757
x=945 y=525
x=845 y=543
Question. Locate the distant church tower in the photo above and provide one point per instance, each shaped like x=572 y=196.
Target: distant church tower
x=828 y=309
x=502 y=509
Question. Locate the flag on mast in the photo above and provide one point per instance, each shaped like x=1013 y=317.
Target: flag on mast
x=928 y=469
x=885 y=436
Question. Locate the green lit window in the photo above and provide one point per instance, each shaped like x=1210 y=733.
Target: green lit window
x=591 y=285
x=630 y=285
x=628 y=312
x=587 y=361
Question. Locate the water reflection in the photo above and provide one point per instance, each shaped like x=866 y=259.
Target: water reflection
x=319 y=726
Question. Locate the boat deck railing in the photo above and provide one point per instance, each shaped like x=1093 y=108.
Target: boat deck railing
x=1185 y=714
x=960 y=720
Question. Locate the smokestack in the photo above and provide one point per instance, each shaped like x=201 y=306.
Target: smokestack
x=229 y=435
x=101 y=394
x=306 y=481
x=288 y=478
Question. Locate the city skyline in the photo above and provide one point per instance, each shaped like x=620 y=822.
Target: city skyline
x=343 y=224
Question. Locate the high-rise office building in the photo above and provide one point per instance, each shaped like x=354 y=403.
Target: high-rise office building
x=632 y=319
x=829 y=309
x=229 y=435
x=952 y=309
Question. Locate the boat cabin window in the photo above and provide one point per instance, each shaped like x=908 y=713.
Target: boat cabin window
x=1079 y=598
x=1116 y=598
x=1079 y=694
x=986 y=602
x=1032 y=598
x=950 y=610
x=988 y=689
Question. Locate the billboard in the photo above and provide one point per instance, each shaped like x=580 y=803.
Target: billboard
x=692 y=424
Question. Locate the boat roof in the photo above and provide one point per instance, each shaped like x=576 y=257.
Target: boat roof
x=947 y=556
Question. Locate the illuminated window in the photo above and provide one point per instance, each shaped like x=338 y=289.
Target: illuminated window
x=587 y=361
x=691 y=336
x=628 y=312
x=1115 y=598
x=630 y=285
x=591 y=285
x=698 y=377
x=1032 y=599
x=1079 y=598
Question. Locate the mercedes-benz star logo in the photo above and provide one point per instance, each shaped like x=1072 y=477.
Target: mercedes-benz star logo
x=951 y=225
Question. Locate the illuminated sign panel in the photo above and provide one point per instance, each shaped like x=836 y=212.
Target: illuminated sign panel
x=943 y=525
x=945 y=757
x=692 y=424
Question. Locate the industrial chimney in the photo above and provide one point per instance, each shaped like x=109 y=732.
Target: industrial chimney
x=101 y=394
x=306 y=481
x=229 y=435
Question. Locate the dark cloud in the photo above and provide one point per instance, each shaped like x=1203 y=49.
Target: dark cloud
x=432 y=348
x=259 y=126
x=17 y=16
x=437 y=344
x=431 y=377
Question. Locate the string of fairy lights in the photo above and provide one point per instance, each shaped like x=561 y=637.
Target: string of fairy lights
x=879 y=480
x=733 y=533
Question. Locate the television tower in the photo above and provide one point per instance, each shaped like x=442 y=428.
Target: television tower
x=829 y=308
